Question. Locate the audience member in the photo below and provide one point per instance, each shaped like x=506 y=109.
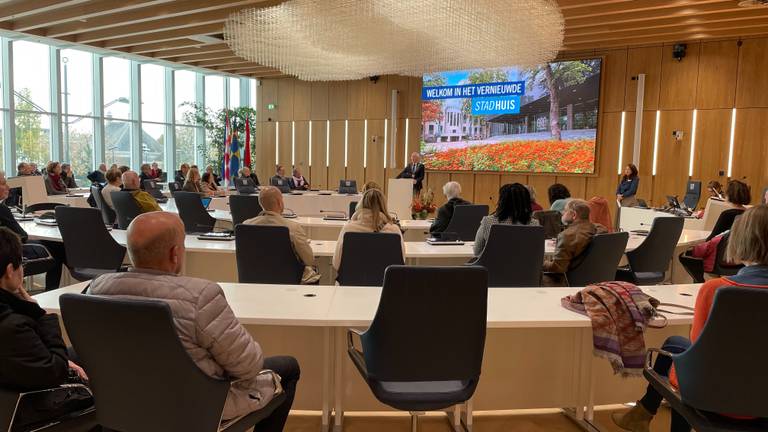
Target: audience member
x=68 y=176
x=415 y=171
x=155 y=172
x=219 y=345
x=452 y=191
x=371 y=185
x=193 y=184
x=181 y=174
x=114 y=184
x=737 y=195
x=33 y=355
x=534 y=205
x=23 y=169
x=271 y=201
x=35 y=171
x=371 y=216
x=56 y=249
x=146 y=174
x=209 y=184
x=558 y=195
x=575 y=238
x=54 y=185
x=279 y=175
x=715 y=190
x=513 y=208
x=298 y=181
x=144 y=200
x=247 y=173
x=123 y=169
x=748 y=244
x=701 y=258
x=627 y=189
x=209 y=170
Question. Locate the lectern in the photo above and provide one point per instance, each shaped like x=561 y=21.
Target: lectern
x=399 y=197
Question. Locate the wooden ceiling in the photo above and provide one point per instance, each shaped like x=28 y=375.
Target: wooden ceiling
x=190 y=31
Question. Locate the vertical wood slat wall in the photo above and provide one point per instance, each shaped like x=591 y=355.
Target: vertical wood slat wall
x=713 y=78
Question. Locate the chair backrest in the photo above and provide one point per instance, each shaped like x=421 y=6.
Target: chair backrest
x=366 y=256
x=281 y=183
x=46 y=206
x=192 y=212
x=466 y=220
x=265 y=255
x=87 y=243
x=352 y=208
x=692 y=194
x=721 y=266
x=114 y=338
x=655 y=252
x=174 y=186
x=244 y=207
x=153 y=189
x=245 y=185
x=9 y=400
x=429 y=326
x=107 y=214
x=126 y=208
x=550 y=220
x=728 y=357
x=599 y=260
x=513 y=255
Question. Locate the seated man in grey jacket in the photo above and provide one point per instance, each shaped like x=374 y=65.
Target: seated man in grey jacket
x=206 y=325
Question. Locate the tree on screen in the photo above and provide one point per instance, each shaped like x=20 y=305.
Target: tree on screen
x=554 y=77
x=484 y=76
x=432 y=110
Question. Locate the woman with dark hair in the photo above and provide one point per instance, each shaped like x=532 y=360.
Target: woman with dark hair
x=737 y=195
x=627 y=189
x=513 y=208
x=558 y=195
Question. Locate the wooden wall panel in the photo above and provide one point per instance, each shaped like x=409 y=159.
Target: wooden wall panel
x=718 y=64
x=487 y=189
x=435 y=181
x=414 y=100
x=284 y=149
x=752 y=85
x=400 y=144
x=673 y=156
x=605 y=184
x=319 y=103
x=414 y=136
x=750 y=149
x=376 y=99
x=319 y=171
x=374 y=170
x=356 y=97
x=302 y=100
x=541 y=184
x=467 y=182
x=285 y=99
x=337 y=100
x=712 y=141
x=268 y=95
x=266 y=152
x=615 y=72
x=678 y=78
x=356 y=141
x=512 y=178
x=648 y=61
x=402 y=85
x=301 y=147
x=576 y=184
x=336 y=169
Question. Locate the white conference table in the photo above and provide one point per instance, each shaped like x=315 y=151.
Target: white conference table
x=215 y=260
x=305 y=203
x=537 y=353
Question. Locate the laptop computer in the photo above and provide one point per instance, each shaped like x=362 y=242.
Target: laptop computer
x=348 y=187
x=445 y=238
x=245 y=186
x=281 y=184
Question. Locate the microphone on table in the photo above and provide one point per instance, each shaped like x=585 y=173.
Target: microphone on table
x=334 y=215
x=289 y=214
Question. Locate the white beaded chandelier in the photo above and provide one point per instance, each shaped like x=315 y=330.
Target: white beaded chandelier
x=328 y=40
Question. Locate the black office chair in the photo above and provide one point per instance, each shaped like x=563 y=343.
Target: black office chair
x=126 y=208
x=91 y=251
x=599 y=260
x=366 y=256
x=10 y=400
x=244 y=207
x=352 y=208
x=721 y=266
x=513 y=256
x=416 y=356
x=46 y=206
x=648 y=262
x=192 y=212
x=174 y=187
x=107 y=214
x=722 y=371
x=165 y=391
x=550 y=220
x=466 y=220
x=265 y=255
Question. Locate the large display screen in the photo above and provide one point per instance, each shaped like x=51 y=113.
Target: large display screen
x=542 y=119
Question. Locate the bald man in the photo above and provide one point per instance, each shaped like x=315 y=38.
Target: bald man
x=414 y=171
x=271 y=201
x=143 y=199
x=205 y=323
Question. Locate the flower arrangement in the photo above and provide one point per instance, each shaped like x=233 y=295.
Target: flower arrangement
x=423 y=205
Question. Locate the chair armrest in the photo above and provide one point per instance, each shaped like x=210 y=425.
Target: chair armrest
x=351 y=333
x=52 y=389
x=354 y=354
x=649 y=356
x=39 y=250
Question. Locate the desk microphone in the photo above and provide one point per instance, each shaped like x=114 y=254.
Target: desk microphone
x=289 y=214
x=334 y=215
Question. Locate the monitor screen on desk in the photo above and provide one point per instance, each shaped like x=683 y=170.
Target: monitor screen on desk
x=347 y=186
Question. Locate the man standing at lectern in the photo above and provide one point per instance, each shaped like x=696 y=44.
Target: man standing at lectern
x=415 y=171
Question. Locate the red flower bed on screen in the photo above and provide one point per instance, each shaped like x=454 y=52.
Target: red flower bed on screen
x=576 y=156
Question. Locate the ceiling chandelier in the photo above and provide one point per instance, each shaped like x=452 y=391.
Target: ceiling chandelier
x=328 y=40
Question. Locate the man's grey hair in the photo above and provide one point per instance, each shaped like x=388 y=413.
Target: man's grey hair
x=452 y=189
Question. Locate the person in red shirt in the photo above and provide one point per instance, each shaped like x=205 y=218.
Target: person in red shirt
x=748 y=244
